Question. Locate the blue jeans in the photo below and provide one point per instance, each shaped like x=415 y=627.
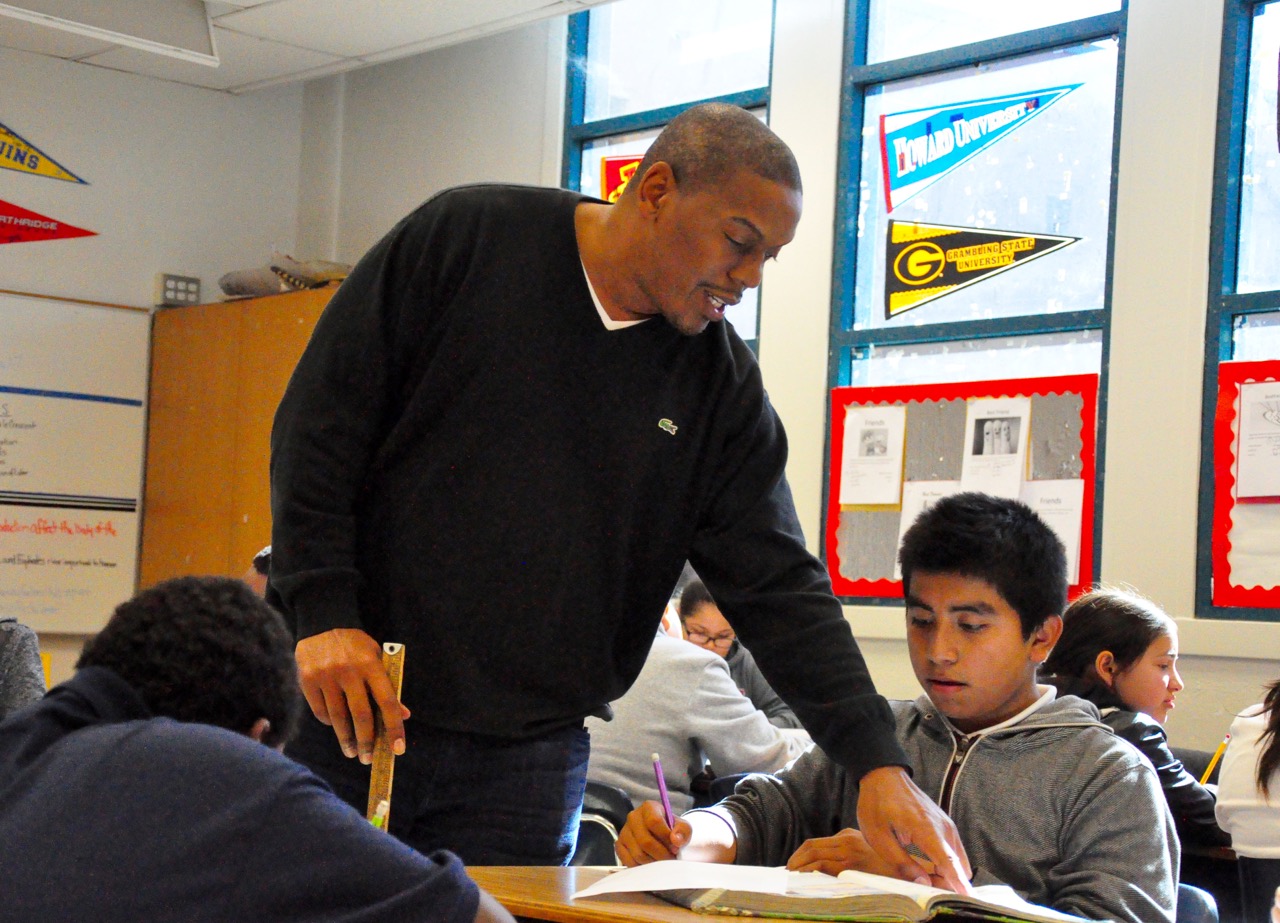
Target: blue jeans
x=490 y=801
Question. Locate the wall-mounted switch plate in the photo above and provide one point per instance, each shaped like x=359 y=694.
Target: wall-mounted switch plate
x=172 y=291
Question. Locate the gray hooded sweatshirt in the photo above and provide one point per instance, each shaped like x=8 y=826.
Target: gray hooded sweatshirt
x=1054 y=805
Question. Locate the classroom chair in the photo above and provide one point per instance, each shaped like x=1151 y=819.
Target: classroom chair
x=604 y=812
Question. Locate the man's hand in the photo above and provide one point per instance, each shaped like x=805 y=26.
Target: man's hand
x=893 y=815
x=340 y=670
x=848 y=849
x=645 y=837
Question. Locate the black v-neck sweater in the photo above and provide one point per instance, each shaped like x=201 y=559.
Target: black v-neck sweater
x=468 y=462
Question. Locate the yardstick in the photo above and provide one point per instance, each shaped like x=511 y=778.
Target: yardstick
x=384 y=761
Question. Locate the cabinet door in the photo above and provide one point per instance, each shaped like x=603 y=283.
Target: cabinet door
x=217 y=374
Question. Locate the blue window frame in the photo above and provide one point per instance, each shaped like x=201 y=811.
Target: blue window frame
x=598 y=122
x=1011 y=134
x=1244 y=263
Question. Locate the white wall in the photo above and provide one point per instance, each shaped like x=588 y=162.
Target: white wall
x=180 y=180
x=470 y=113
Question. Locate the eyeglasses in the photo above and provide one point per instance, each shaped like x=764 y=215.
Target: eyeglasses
x=705 y=640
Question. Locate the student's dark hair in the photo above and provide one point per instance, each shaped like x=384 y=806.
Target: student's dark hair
x=694 y=595
x=1269 y=742
x=207 y=650
x=1002 y=542
x=705 y=143
x=1106 y=619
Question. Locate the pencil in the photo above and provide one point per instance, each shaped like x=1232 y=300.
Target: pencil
x=1217 y=755
x=662 y=790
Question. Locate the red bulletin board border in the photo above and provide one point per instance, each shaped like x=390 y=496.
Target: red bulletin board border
x=1231 y=375
x=841 y=398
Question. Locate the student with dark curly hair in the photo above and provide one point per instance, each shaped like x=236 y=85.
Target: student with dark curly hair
x=141 y=789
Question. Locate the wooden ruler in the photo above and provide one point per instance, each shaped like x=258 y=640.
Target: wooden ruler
x=384 y=761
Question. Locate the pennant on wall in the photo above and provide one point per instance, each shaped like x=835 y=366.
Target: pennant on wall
x=920 y=146
x=615 y=173
x=19 y=226
x=927 y=261
x=17 y=154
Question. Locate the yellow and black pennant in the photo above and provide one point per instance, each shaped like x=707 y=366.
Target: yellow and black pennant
x=16 y=153
x=927 y=261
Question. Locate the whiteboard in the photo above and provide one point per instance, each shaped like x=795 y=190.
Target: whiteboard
x=73 y=387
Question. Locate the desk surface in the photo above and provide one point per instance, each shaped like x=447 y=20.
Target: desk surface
x=545 y=893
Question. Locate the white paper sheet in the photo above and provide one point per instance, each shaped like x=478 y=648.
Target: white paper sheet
x=1258 y=450
x=1061 y=505
x=918 y=496
x=871 y=458
x=674 y=874
x=995 y=453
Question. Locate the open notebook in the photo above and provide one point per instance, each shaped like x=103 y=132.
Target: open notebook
x=858 y=896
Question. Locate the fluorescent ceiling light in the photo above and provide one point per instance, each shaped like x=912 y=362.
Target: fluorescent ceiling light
x=174 y=28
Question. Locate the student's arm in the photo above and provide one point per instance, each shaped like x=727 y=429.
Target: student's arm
x=747 y=675
x=774 y=815
x=699 y=836
x=1119 y=849
x=21 y=673
x=733 y=733
x=1190 y=802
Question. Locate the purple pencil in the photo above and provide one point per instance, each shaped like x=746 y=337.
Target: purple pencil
x=662 y=790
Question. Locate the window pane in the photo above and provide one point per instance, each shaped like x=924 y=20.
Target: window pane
x=1256 y=336
x=987 y=190
x=1259 y=258
x=899 y=28
x=649 y=54
x=1075 y=353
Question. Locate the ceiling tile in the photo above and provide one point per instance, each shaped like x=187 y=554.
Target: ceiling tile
x=27 y=36
x=245 y=60
x=352 y=28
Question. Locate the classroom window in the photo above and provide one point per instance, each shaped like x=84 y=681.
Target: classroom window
x=1072 y=353
x=901 y=28
x=636 y=64
x=974 y=226
x=1243 y=322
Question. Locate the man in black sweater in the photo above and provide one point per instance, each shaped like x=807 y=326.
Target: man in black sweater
x=515 y=421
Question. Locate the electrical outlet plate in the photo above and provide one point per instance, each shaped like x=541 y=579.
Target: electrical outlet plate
x=174 y=291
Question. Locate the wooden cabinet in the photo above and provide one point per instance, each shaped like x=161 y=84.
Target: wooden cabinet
x=217 y=374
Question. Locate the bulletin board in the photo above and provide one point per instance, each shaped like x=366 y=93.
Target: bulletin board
x=73 y=387
x=1246 y=485
x=935 y=445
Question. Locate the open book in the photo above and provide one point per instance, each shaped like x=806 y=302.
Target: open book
x=855 y=896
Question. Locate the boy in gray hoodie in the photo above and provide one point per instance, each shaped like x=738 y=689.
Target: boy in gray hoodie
x=1046 y=799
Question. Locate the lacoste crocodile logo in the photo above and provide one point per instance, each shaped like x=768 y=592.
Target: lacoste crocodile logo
x=667 y=425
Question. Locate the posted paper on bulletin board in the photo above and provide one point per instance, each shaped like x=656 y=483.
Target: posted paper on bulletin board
x=896 y=450
x=1246 y=492
x=73 y=384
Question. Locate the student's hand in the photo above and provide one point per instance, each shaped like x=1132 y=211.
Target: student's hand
x=848 y=849
x=646 y=838
x=339 y=671
x=893 y=814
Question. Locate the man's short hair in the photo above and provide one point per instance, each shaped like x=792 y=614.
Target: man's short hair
x=705 y=143
x=206 y=650
x=1002 y=542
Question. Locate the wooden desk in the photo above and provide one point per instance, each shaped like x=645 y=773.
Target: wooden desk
x=544 y=893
